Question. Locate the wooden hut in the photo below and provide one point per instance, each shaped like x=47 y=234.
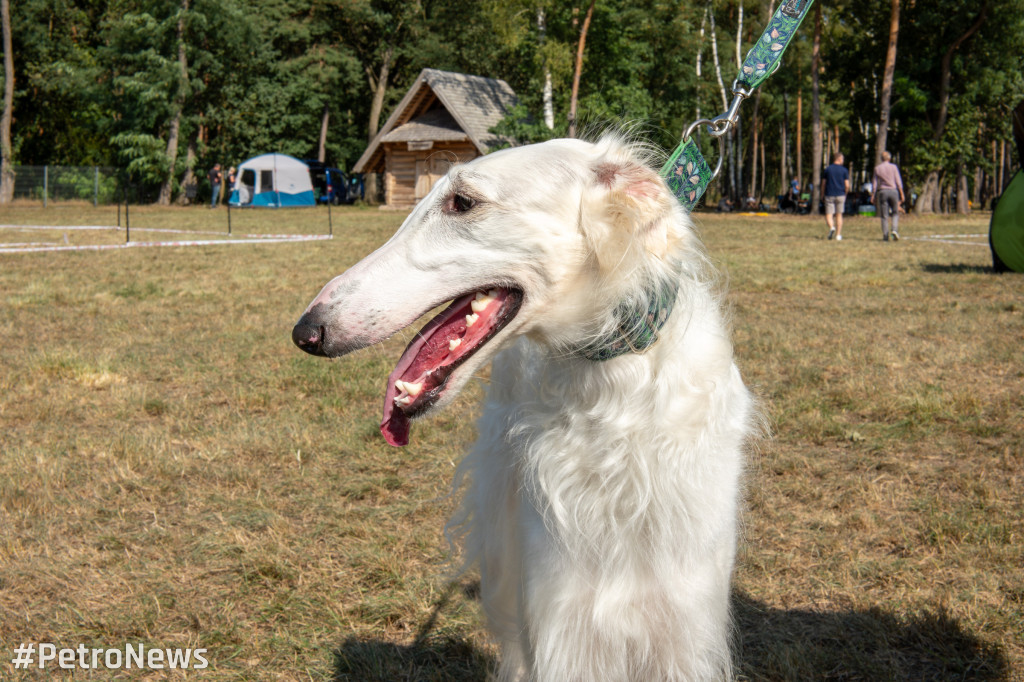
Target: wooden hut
x=445 y=118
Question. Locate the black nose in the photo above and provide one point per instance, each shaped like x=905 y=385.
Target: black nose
x=309 y=336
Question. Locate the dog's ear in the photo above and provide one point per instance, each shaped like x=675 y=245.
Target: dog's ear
x=630 y=211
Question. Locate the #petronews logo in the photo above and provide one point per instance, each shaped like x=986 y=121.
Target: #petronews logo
x=32 y=655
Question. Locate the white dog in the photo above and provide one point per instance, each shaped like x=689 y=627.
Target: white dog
x=602 y=494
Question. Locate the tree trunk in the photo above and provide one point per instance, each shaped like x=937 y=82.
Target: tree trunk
x=963 y=206
x=929 y=200
x=700 y=58
x=6 y=162
x=379 y=87
x=784 y=165
x=174 y=130
x=947 y=65
x=729 y=177
x=548 y=96
x=816 y=111
x=887 y=78
x=579 y=69
x=325 y=117
x=800 y=138
x=753 y=145
x=764 y=168
x=1001 y=174
x=190 y=175
x=736 y=138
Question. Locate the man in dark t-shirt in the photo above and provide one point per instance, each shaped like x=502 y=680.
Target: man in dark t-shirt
x=215 y=176
x=837 y=184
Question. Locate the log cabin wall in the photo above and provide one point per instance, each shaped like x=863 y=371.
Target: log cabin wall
x=411 y=174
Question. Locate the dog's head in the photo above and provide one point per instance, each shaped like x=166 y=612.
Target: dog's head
x=544 y=240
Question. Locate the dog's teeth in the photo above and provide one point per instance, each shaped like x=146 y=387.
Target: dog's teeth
x=471 y=319
x=481 y=302
x=400 y=386
x=403 y=401
x=454 y=343
x=413 y=389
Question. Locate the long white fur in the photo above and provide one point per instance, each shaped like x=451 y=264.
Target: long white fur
x=600 y=500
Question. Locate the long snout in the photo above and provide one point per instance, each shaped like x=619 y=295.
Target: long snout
x=368 y=303
x=308 y=334
x=323 y=330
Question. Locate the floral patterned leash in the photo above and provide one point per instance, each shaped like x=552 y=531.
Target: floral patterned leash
x=686 y=171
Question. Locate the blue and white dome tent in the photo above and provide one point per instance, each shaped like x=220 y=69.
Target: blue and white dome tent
x=272 y=180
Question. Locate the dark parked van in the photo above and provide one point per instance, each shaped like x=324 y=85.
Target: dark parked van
x=329 y=184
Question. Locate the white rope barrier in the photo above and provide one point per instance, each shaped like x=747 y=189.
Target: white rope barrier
x=196 y=242
x=951 y=239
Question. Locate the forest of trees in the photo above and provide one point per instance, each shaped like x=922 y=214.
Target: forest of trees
x=165 y=88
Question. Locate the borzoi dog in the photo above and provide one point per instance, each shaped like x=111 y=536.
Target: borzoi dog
x=601 y=496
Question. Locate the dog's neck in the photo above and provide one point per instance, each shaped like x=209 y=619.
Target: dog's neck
x=637 y=325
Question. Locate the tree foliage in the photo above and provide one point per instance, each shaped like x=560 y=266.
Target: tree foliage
x=100 y=81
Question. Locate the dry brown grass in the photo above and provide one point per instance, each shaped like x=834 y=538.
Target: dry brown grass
x=174 y=472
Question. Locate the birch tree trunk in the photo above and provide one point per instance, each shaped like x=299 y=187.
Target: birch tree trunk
x=548 y=94
x=736 y=136
x=167 y=187
x=700 y=57
x=731 y=185
x=6 y=162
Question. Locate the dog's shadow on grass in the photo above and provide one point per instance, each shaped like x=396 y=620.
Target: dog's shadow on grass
x=793 y=644
x=432 y=657
x=958 y=269
x=771 y=645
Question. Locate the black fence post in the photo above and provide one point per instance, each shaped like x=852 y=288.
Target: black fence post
x=229 y=217
x=330 y=224
x=127 y=220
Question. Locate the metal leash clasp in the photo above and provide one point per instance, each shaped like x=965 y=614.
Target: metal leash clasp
x=721 y=124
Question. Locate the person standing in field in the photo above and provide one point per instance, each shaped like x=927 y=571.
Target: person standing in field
x=231 y=179
x=888 y=187
x=837 y=184
x=215 y=177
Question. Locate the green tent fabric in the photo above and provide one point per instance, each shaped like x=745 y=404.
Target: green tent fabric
x=1006 y=232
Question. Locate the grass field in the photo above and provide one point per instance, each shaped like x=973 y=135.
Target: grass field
x=174 y=472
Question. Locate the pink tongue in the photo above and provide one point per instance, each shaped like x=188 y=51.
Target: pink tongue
x=395 y=424
x=395 y=427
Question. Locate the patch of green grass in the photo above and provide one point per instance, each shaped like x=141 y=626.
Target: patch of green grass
x=174 y=471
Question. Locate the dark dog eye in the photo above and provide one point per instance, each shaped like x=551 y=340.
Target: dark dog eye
x=458 y=203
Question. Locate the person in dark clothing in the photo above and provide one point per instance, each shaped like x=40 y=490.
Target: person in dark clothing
x=216 y=177
x=837 y=184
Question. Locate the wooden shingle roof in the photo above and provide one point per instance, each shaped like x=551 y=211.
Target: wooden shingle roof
x=474 y=104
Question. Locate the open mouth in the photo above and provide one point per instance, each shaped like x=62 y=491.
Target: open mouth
x=445 y=343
